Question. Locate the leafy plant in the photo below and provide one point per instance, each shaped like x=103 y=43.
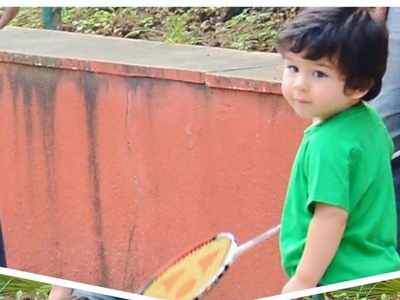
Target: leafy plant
x=251 y=29
x=19 y=288
x=385 y=290
x=31 y=16
x=176 y=29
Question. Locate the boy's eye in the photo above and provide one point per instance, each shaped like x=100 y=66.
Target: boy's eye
x=292 y=68
x=319 y=74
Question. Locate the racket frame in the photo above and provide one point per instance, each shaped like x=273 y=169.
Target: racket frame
x=234 y=251
x=228 y=260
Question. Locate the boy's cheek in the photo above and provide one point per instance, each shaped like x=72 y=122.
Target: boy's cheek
x=285 y=90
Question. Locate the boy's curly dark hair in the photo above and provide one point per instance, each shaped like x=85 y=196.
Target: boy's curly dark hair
x=348 y=36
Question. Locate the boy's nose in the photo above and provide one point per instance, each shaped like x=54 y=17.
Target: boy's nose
x=300 y=83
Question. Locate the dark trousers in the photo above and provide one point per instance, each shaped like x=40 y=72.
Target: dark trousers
x=396 y=177
x=2 y=251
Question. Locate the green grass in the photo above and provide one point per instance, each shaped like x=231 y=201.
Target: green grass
x=17 y=288
x=385 y=290
x=176 y=30
x=28 y=17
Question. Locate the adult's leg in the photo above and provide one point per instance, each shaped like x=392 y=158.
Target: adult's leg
x=79 y=294
x=60 y=293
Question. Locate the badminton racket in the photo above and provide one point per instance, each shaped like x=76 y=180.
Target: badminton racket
x=195 y=272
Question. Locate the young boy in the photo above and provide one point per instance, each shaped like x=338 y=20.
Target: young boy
x=339 y=218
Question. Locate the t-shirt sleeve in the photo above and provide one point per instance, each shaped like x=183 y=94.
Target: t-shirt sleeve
x=328 y=174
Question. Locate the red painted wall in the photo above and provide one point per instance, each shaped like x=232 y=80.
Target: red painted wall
x=106 y=177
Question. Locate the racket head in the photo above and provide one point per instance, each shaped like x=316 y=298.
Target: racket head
x=192 y=274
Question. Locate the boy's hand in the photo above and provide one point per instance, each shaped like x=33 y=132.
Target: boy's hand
x=296 y=284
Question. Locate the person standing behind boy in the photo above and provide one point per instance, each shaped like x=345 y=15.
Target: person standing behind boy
x=339 y=217
x=51 y=17
x=387 y=103
x=8 y=14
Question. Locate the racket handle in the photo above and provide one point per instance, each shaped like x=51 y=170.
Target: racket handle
x=258 y=239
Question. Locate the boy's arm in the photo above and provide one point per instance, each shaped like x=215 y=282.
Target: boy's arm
x=323 y=238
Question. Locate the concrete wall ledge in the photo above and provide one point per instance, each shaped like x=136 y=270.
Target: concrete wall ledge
x=214 y=67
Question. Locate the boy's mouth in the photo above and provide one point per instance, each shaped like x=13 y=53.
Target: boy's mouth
x=302 y=101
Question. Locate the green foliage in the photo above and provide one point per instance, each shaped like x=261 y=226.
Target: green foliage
x=385 y=290
x=19 y=288
x=252 y=29
x=31 y=16
x=237 y=20
x=382 y=290
x=176 y=30
x=87 y=20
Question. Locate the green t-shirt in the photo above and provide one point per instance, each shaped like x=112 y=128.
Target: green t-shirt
x=344 y=162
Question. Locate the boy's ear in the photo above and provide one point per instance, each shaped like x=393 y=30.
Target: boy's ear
x=359 y=93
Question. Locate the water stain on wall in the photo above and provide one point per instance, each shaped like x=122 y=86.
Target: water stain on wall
x=31 y=84
x=90 y=85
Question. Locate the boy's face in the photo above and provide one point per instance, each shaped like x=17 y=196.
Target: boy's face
x=315 y=88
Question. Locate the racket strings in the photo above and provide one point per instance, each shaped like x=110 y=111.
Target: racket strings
x=191 y=274
x=170 y=280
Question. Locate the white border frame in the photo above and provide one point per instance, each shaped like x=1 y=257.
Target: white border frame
x=72 y=284
x=336 y=286
x=198 y=3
